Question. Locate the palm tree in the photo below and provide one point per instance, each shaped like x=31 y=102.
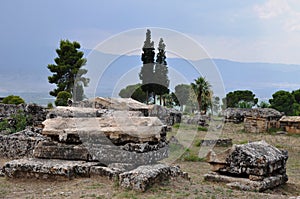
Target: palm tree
x=203 y=93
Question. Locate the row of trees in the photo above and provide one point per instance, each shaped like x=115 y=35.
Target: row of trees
x=154 y=74
x=68 y=75
x=283 y=101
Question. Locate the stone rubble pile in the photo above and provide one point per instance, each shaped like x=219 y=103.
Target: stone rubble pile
x=86 y=141
x=254 y=166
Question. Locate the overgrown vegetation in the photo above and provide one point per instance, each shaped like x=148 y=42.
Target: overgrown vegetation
x=17 y=122
x=62 y=98
x=13 y=99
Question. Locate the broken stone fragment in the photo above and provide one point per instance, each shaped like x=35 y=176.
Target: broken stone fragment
x=217 y=162
x=143 y=177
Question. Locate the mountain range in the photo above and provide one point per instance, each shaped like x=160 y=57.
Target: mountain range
x=110 y=73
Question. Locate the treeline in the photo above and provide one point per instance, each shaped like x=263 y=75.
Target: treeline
x=283 y=101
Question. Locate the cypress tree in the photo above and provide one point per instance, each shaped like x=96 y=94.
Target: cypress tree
x=147 y=70
x=161 y=71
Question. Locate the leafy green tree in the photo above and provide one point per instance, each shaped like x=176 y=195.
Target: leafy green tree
x=216 y=104
x=182 y=93
x=67 y=70
x=62 y=98
x=161 y=79
x=13 y=99
x=233 y=99
x=133 y=91
x=264 y=104
x=203 y=93
x=147 y=70
x=284 y=101
x=296 y=95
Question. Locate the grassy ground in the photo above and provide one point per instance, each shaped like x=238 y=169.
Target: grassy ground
x=99 y=187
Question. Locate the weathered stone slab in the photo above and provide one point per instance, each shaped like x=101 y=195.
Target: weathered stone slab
x=20 y=144
x=63 y=111
x=143 y=177
x=55 y=150
x=108 y=154
x=256 y=158
x=247 y=184
x=43 y=168
x=105 y=154
x=110 y=173
x=134 y=129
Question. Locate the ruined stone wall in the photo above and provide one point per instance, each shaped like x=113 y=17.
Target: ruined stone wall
x=255 y=125
x=35 y=114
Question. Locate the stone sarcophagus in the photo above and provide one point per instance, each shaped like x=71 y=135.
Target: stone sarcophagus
x=112 y=137
x=254 y=166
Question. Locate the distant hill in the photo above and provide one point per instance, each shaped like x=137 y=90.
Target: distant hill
x=22 y=75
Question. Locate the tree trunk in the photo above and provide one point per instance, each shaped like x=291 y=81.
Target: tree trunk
x=160 y=100
x=147 y=97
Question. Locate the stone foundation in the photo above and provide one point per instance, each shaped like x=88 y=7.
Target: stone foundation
x=19 y=145
x=247 y=184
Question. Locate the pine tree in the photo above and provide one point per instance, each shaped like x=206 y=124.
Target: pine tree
x=67 y=70
x=161 y=71
x=146 y=74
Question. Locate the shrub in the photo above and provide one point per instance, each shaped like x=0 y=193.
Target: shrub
x=62 y=98
x=49 y=105
x=16 y=123
x=12 y=99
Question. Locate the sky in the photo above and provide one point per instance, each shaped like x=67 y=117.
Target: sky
x=247 y=31
x=266 y=31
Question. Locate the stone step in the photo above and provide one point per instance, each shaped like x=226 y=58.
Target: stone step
x=44 y=168
x=105 y=154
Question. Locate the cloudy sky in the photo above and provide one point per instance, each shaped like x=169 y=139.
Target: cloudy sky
x=247 y=31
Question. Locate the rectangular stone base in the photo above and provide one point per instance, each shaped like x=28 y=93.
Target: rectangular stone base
x=45 y=168
x=246 y=184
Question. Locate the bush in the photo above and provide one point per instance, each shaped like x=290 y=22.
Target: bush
x=62 y=98
x=16 y=123
x=50 y=105
x=12 y=99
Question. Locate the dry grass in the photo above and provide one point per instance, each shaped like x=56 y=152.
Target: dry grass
x=98 y=187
